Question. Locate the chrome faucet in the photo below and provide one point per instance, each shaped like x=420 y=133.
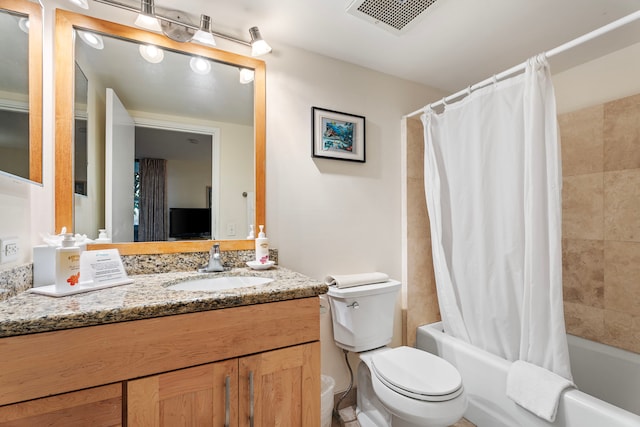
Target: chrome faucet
x=215 y=262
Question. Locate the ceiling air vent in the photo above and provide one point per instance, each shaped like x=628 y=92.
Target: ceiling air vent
x=395 y=16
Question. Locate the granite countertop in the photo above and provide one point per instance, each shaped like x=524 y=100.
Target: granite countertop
x=147 y=297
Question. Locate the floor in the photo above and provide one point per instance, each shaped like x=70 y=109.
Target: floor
x=348 y=416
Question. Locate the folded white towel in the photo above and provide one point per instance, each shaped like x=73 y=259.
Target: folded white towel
x=348 y=280
x=536 y=389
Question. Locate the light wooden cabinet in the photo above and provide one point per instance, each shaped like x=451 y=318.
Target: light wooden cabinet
x=170 y=371
x=281 y=387
x=96 y=407
x=274 y=388
x=202 y=396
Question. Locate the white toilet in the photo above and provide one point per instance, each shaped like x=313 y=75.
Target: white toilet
x=399 y=387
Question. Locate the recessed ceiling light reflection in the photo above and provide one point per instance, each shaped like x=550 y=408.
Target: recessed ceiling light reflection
x=91 y=39
x=151 y=53
x=200 y=65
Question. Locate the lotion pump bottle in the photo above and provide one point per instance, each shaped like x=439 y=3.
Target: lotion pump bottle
x=67 y=263
x=262 y=247
x=102 y=236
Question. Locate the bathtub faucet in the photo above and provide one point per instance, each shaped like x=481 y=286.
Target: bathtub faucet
x=215 y=262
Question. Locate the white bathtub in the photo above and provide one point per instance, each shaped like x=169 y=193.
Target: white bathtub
x=598 y=369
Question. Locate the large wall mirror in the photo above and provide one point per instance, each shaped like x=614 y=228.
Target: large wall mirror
x=166 y=152
x=21 y=89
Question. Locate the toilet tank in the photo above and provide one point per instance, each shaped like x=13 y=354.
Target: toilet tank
x=363 y=315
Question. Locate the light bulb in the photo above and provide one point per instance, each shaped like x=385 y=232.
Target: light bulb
x=203 y=35
x=148 y=22
x=91 y=39
x=151 y=53
x=23 y=24
x=258 y=45
x=200 y=65
x=246 y=75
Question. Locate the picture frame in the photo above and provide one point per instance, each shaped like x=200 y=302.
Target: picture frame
x=337 y=135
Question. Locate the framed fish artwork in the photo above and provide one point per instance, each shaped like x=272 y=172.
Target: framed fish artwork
x=337 y=135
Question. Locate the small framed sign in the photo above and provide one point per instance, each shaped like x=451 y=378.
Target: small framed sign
x=337 y=135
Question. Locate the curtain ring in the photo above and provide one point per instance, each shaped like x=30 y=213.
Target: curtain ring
x=494 y=79
x=469 y=90
x=542 y=58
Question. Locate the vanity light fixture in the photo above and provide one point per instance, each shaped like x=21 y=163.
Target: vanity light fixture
x=258 y=45
x=91 y=39
x=203 y=35
x=246 y=75
x=151 y=53
x=147 y=17
x=82 y=3
x=147 y=14
x=200 y=65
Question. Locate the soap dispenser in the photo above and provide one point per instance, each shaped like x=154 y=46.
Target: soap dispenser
x=67 y=263
x=102 y=236
x=262 y=247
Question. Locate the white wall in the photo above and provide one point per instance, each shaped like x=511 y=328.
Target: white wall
x=324 y=216
x=26 y=209
x=15 y=206
x=609 y=77
x=88 y=210
x=237 y=177
x=187 y=183
x=329 y=216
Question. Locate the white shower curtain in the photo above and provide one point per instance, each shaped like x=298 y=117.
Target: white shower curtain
x=493 y=185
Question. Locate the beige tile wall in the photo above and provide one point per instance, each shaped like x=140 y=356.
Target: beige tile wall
x=601 y=222
x=422 y=301
x=601 y=226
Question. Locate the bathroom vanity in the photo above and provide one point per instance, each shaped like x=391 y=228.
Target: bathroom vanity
x=145 y=355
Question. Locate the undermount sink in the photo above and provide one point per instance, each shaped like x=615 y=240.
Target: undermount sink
x=220 y=283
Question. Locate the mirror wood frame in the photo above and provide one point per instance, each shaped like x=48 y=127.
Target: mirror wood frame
x=34 y=11
x=64 y=62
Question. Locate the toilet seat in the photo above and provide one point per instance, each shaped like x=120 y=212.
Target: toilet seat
x=417 y=374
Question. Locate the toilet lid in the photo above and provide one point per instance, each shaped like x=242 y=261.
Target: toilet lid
x=417 y=374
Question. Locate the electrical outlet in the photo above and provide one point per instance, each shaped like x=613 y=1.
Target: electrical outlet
x=231 y=229
x=9 y=249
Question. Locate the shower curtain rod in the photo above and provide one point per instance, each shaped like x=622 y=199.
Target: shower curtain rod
x=563 y=47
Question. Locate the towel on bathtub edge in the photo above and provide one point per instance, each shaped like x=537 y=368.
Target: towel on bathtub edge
x=536 y=389
x=348 y=280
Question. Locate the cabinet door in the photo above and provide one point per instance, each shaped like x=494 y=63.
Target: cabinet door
x=96 y=407
x=281 y=387
x=202 y=396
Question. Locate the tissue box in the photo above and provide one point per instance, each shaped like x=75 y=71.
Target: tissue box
x=44 y=265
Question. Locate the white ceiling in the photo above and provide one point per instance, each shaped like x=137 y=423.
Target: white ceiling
x=455 y=44
x=143 y=86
